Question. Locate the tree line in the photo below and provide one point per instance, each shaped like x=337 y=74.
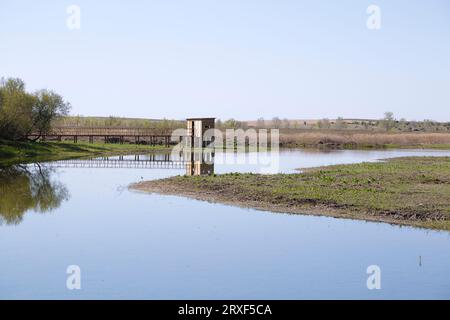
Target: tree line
x=388 y=123
x=23 y=113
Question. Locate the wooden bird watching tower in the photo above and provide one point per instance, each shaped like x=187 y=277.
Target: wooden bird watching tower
x=196 y=128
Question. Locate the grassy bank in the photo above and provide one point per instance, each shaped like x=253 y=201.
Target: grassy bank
x=361 y=140
x=23 y=152
x=409 y=191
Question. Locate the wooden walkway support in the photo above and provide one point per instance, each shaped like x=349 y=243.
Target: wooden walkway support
x=107 y=138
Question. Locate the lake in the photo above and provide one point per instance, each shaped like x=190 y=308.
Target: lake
x=132 y=245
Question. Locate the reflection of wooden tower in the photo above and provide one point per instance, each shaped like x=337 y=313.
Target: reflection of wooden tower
x=201 y=163
x=196 y=128
x=198 y=168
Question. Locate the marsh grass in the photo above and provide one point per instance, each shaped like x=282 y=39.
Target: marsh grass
x=365 y=140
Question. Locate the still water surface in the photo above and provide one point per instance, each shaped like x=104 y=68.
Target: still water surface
x=133 y=245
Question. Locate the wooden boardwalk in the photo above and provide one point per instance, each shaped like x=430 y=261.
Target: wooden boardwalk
x=118 y=164
x=148 y=136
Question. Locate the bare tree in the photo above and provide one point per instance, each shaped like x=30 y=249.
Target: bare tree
x=276 y=123
x=388 y=122
x=260 y=123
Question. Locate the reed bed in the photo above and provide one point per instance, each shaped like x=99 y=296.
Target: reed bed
x=363 y=139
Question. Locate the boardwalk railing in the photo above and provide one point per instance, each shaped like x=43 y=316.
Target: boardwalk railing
x=117 y=164
x=108 y=135
x=112 y=131
x=150 y=161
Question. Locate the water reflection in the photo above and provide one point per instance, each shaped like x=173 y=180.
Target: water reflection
x=31 y=187
x=148 y=256
x=28 y=187
x=199 y=162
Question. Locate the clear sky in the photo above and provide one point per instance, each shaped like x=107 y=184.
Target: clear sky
x=234 y=58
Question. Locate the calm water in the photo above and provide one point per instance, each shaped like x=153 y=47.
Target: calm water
x=134 y=245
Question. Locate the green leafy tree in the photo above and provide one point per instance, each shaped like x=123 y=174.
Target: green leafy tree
x=231 y=124
x=22 y=113
x=47 y=107
x=15 y=109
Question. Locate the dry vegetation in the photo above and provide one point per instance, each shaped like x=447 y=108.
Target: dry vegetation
x=117 y=122
x=361 y=139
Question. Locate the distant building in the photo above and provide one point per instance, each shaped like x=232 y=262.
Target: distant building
x=196 y=128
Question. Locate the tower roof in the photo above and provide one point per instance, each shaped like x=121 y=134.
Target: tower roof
x=190 y=119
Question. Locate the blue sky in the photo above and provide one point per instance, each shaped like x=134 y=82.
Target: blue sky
x=234 y=58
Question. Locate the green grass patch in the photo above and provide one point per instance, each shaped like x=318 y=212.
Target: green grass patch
x=412 y=191
x=24 y=152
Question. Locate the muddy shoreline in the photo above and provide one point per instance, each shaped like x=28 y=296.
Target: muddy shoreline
x=404 y=191
x=171 y=189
